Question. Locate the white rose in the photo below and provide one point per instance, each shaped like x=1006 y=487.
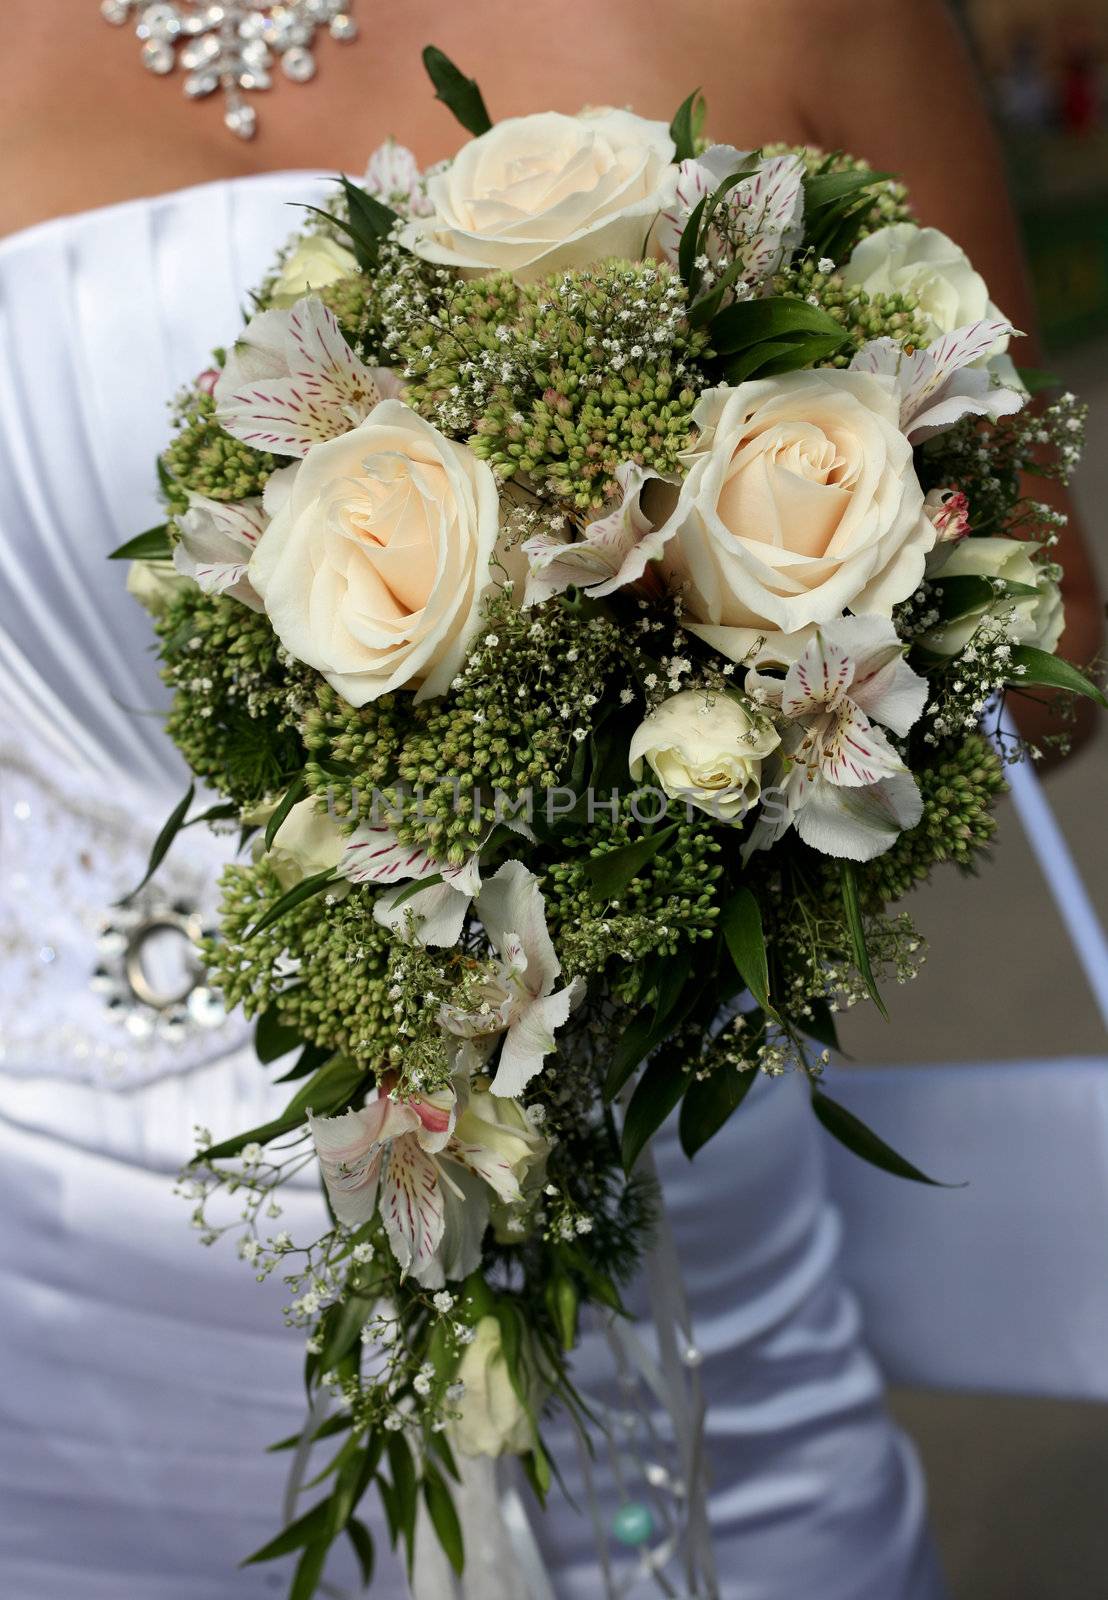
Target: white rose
x=373 y=567
x=800 y=501
x=545 y=193
x=308 y=841
x=706 y=749
x=493 y=1419
x=906 y=259
x=314 y=263
x=1038 y=618
x=154 y=584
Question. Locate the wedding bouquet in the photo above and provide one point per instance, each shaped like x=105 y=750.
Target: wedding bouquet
x=584 y=582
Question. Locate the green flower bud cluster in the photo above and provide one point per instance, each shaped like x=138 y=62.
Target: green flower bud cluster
x=509 y=726
x=237 y=696
x=205 y=459
x=864 y=316
x=670 y=900
x=959 y=787
x=564 y=379
x=351 y=302
x=340 y=996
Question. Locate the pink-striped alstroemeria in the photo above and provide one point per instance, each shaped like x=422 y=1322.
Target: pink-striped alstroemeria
x=762 y=217
x=841 y=783
x=517 y=1000
x=374 y=854
x=429 y=1165
x=946 y=381
x=615 y=549
x=217 y=539
x=292 y=381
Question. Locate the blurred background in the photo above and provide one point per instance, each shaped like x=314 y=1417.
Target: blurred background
x=1020 y=1487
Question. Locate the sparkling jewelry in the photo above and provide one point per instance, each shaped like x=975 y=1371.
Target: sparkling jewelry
x=231 y=45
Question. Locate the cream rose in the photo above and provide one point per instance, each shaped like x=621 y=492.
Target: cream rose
x=905 y=259
x=492 y=1419
x=154 y=584
x=315 y=262
x=800 y=502
x=544 y=193
x=374 y=564
x=308 y=841
x=707 y=749
x=1038 y=618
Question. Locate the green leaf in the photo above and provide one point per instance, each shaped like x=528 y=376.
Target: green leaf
x=704 y=309
x=342 y=1335
x=153 y=545
x=795 y=356
x=362 y=1540
x=687 y=251
x=508 y=1315
x=682 y=130
x=371 y=221
x=1050 y=672
x=612 y=872
x=852 y=1132
x=304 y=890
x=326 y=1092
x=457 y=92
x=656 y=1094
x=274 y=1038
x=404 y=1490
x=296 y=790
x=311 y=1526
x=750 y=322
x=310 y=1059
x=536 y=1464
x=1035 y=380
x=708 y=1104
x=853 y=909
x=444 y=1518
x=741 y=923
x=964 y=593
x=408 y=890
x=833 y=187
x=170 y=829
x=439 y=1444
x=561 y=1302
x=309 y=1570
x=643 y=1035
x=336 y=1424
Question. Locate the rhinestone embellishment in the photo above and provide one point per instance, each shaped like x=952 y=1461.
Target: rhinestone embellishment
x=233 y=45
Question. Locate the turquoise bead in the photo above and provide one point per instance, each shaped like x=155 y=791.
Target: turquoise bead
x=632 y=1523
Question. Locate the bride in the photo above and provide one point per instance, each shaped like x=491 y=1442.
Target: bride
x=144 y=1377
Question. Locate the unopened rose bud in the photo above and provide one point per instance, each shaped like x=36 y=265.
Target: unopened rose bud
x=948 y=510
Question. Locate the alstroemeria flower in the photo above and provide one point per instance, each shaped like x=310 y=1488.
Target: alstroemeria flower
x=763 y=214
x=428 y=1165
x=843 y=786
x=217 y=539
x=374 y=854
x=518 y=1000
x=292 y=381
x=392 y=175
x=615 y=549
x=941 y=384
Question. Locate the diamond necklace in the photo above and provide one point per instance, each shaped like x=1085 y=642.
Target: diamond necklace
x=231 y=45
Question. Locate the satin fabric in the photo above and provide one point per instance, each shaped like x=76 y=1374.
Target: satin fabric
x=143 y=1375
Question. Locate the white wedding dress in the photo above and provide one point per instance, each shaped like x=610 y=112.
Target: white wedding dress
x=142 y=1376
